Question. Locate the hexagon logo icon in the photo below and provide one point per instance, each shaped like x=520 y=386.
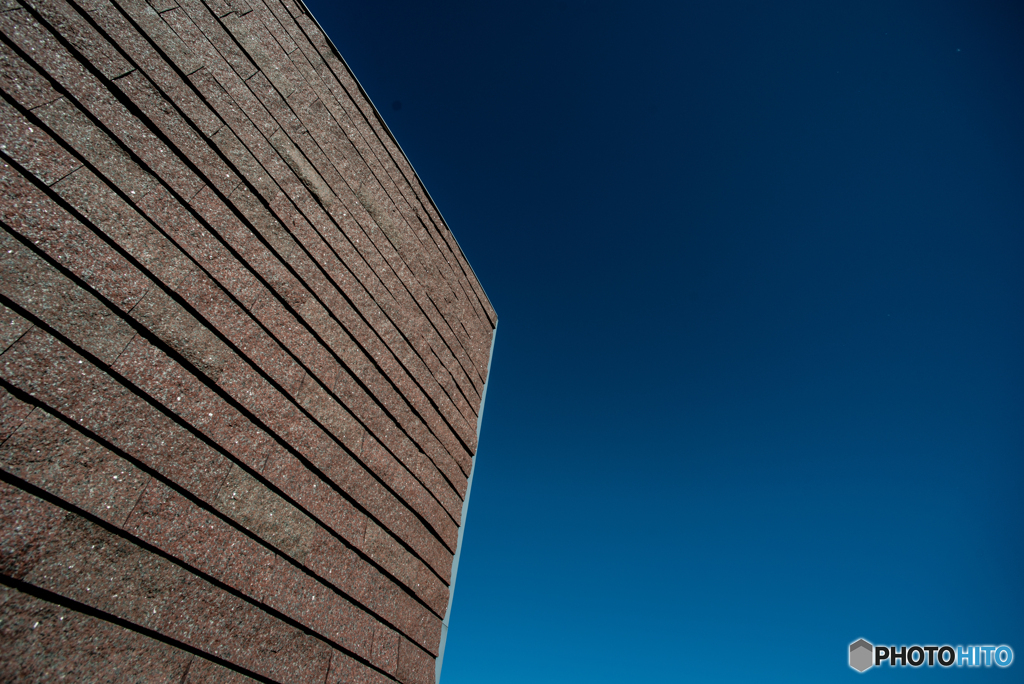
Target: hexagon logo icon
x=861 y=655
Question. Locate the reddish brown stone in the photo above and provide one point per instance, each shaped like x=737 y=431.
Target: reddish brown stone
x=67 y=22
x=404 y=309
x=414 y=666
x=280 y=27
x=169 y=521
x=237 y=103
x=288 y=331
x=385 y=649
x=263 y=352
x=410 y=490
x=354 y=576
x=365 y=336
x=163 y=114
x=44 y=641
x=121 y=223
x=367 y=134
x=217 y=37
x=131 y=133
x=331 y=415
x=31 y=148
x=88 y=564
x=63 y=380
x=260 y=44
x=142 y=52
x=277 y=321
x=44 y=292
x=162 y=5
x=195 y=240
x=57 y=458
x=68 y=242
x=26 y=526
x=287 y=473
x=96 y=147
x=244 y=499
x=386 y=552
x=202 y=671
x=219 y=219
x=384 y=396
x=22 y=82
x=12 y=327
x=388 y=180
x=346 y=670
x=174 y=524
x=278 y=240
x=283 y=417
x=162 y=378
x=180 y=52
x=182 y=332
x=13 y=413
x=432 y=591
x=297 y=595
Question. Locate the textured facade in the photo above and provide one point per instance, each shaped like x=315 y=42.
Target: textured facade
x=242 y=358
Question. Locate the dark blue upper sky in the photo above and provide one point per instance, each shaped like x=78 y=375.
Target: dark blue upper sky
x=758 y=387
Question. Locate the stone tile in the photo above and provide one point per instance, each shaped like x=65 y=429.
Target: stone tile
x=83 y=37
x=119 y=221
x=13 y=413
x=414 y=666
x=178 y=130
x=180 y=330
x=263 y=512
x=67 y=241
x=95 y=146
x=22 y=82
x=27 y=525
x=30 y=147
x=65 y=382
x=261 y=46
x=196 y=240
x=207 y=672
x=46 y=642
x=385 y=649
x=350 y=671
x=289 y=474
x=265 y=353
x=218 y=37
x=12 y=327
x=331 y=415
x=57 y=458
x=279 y=240
x=169 y=521
x=45 y=292
x=180 y=52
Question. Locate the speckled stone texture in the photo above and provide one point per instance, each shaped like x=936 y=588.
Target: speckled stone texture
x=241 y=355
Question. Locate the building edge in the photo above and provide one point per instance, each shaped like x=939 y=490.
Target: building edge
x=412 y=166
x=439 y=661
x=462 y=523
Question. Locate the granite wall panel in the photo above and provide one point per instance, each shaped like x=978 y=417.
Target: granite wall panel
x=242 y=357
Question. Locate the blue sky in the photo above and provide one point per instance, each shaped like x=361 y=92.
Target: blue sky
x=758 y=388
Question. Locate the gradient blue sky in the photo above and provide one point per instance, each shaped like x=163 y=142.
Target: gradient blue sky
x=758 y=388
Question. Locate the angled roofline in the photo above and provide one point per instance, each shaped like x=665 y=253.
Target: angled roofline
x=380 y=118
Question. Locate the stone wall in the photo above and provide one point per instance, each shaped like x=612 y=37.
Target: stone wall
x=242 y=355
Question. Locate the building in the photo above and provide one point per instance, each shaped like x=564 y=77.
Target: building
x=243 y=358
